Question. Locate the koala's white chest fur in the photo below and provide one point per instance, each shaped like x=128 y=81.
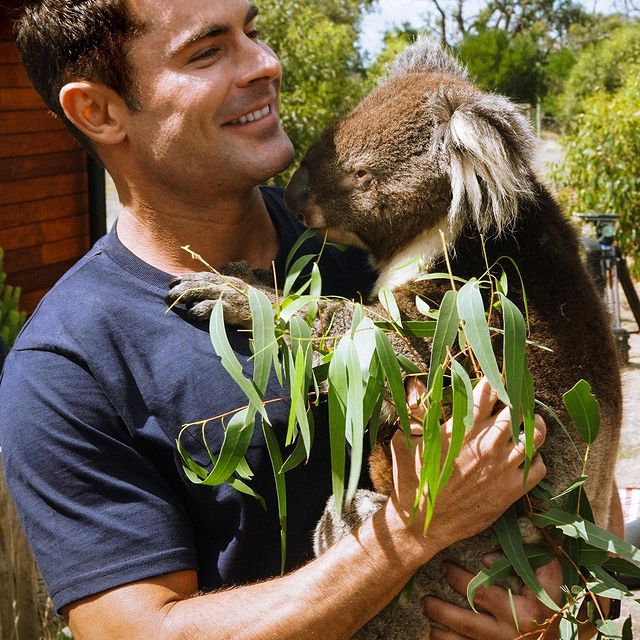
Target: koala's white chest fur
x=414 y=260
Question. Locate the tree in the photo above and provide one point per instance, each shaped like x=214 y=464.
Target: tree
x=601 y=66
x=323 y=70
x=509 y=64
x=601 y=170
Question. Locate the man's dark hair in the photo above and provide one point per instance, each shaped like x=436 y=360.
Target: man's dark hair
x=65 y=40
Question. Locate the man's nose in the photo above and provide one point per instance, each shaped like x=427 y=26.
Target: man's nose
x=258 y=62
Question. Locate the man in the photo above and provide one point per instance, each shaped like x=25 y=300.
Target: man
x=179 y=100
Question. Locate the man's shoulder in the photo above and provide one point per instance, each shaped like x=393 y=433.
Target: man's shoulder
x=83 y=301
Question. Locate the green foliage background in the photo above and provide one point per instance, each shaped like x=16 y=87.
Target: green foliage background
x=601 y=170
x=323 y=69
x=11 y=318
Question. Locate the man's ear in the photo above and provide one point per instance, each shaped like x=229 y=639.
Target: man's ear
x=97 y=111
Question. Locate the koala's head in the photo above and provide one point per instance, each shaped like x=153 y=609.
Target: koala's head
x=426 y=150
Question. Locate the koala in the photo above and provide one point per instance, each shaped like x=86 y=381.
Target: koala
x=426 y=151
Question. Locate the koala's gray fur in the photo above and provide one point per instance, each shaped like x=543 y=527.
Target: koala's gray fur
x=425 y=151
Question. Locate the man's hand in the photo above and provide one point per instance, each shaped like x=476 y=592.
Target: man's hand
x=496 y=622
x=489 y=463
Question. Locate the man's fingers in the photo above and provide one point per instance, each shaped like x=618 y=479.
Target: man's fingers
x=491 y=598
x=484 y=400
x=464 y=622
x=550 y=577
x=442 y=634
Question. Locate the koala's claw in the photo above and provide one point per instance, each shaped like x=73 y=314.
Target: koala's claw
x=200 y=292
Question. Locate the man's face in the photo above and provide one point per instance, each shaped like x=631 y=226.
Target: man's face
x=209 y=92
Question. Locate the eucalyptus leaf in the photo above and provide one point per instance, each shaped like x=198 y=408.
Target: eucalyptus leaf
x=461 y=418
x=440 y=276
x=281 y=489
x=577 y=527
x=388 y=301
x=476 y=330
x=508 y=533
x=446 y=331
x=393 y=376
x=228 y=359
x=514 y=359
x=584 y=410
x=355 y=419
x=422 y=306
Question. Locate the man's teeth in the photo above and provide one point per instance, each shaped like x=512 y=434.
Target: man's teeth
x=254 y=115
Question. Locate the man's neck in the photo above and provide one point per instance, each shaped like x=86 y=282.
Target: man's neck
x=230 y=229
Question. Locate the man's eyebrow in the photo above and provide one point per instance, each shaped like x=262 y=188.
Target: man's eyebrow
x=211 y=31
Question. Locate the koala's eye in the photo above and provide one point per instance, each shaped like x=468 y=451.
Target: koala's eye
x=362 y=177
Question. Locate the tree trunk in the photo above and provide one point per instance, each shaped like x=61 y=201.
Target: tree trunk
x=19 y=618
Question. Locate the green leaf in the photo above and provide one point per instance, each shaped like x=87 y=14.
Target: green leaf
x=281 y=489
x=461 y=419
x=500 y=570
x=432 y=448
x=572 y=487
x=609 y=581
x=393 y=375
x=577 y=527
x=439 y=276
x=514 y=361
x=446 y=331
x=584 y=410
x=529 y=418
x=422 y=306
x=388 y=301
x=619 y=565
x=264 y=339
x=337 y=379
x=538 y=555
x=229 y=361
x=355 y=420
x=609 y=629
x=308 y=233
x=294 y=273
x=508 y=533
x=243 y=487
x=476 y=329
x=237 y=436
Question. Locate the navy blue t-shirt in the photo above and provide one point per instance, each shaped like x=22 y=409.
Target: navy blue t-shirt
x=92 y=398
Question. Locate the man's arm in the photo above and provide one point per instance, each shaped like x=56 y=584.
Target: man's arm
x=334 y=595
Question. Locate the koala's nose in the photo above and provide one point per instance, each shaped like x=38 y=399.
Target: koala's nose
x=297 y=192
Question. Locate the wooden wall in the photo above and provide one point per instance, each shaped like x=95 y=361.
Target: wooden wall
x=44 y=212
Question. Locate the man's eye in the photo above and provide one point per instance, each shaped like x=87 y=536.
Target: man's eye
x=255 y=34
x=204 y=55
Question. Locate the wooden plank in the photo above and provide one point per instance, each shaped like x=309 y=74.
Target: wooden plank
x=13 y=75
x=41 y=188
x=18 y=575
x=8 y=53
x=22 y=213
x=41 y=255
x=29 y=121
x=41 y=277
x=32 y=235
x=31 y=144
x=21 y=98
x=50 y=164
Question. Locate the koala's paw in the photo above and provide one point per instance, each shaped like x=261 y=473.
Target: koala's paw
x=200 y=292
x=332 y=527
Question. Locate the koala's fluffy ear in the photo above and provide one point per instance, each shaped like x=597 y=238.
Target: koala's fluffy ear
x=426 y=55
x=486 y=144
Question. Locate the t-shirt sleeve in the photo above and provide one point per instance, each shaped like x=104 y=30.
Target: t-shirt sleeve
x=95 y=507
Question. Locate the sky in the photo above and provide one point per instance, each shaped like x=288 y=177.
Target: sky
x=394 y=12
